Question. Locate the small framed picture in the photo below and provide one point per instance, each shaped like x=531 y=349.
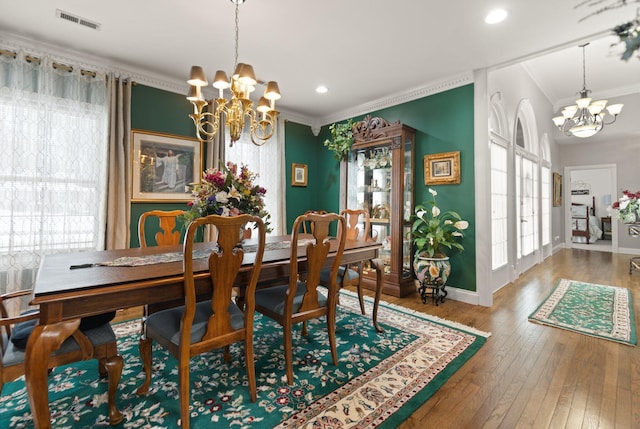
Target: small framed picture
x=442 y=168
x=163 y=166
x=298 y=174
x=557 y=189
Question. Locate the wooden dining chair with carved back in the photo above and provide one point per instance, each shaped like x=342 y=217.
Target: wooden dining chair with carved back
x=167 y=221
x=300 y=300
x=200 y=326
x=305 y=227
x=358 y=228
x=91 y=338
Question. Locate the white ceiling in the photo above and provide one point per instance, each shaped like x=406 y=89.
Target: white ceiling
x=364 y=51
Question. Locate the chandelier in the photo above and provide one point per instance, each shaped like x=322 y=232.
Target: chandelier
x=586 y=118
x=238 y=109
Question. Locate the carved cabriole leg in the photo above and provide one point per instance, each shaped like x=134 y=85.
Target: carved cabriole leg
x=331 y=328
x=185 y=391
x=43 y=341
x=144 y=345
x=379 y=265
x=114 y=366
x=248 y=359
x=288 y=352
x=360 y=295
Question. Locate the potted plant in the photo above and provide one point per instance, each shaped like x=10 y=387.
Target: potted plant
x=434 y=233
x=341 y=139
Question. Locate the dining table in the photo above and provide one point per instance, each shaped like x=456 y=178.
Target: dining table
x=79 y=284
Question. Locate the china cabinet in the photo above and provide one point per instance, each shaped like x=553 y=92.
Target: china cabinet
x=379 y=178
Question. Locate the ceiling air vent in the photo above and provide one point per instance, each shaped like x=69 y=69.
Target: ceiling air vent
x=77 y=20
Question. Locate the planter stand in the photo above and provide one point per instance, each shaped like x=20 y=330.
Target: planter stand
x=437 y=292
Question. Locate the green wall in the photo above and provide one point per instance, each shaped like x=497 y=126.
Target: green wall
x=162 y=112
x=443 y=123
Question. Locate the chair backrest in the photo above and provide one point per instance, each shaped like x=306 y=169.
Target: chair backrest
x=358 y=224
x=225 y=262
x=317 y=251
x=167 y=235
x=306 y=226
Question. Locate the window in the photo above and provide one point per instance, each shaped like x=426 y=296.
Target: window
x=53 y=158
x=268 y=161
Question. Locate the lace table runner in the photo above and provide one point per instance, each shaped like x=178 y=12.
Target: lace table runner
x=161 y=258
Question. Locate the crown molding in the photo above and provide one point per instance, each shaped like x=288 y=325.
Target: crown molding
x=401 y=98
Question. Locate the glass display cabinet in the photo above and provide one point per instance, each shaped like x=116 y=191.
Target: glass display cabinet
x=379 y=178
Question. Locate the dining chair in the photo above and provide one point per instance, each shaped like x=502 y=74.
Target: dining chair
x=167 y=220
x=306 y=226
x=358 y=228
x=300 y=300
x=199 y=326
x=95 y=342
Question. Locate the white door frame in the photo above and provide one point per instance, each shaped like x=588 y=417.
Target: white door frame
x=566 y=186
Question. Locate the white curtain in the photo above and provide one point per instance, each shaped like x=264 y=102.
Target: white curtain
x=53 y=152
x=268 y=161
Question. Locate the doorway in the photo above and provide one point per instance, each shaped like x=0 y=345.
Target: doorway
x=591 y=187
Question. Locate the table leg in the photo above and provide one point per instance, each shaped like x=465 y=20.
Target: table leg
x=43 y=341
x=379 y=265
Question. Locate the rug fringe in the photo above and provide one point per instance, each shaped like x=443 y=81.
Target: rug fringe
x=420 y=314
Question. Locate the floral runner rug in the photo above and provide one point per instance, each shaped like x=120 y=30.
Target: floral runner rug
x=591 y=309
x=380 y=380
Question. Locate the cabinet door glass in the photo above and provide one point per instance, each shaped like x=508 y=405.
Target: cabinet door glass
x=369 y=178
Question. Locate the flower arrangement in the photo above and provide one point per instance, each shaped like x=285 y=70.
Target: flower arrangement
x=434 y=231
x=628 y=207
x=227 y=192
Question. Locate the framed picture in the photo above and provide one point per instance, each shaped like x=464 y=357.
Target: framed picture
x=557 y=189
x=442 y=168
x=163 y=166
x=298 y=174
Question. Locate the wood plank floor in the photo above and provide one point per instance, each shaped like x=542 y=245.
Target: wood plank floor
x=533 y=376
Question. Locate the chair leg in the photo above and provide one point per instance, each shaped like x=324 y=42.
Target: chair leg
x=113 y=365
x=288 y=353
x=331 y=328
x=249 y=363
x=227 y=354
x=145 y=354
x=185 y=394
x=361 y=298
x=304 y=331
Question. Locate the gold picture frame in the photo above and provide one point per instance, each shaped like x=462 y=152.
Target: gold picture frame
x=557 y=189
x=442 y=168
x=298 y=174
x=163 y=166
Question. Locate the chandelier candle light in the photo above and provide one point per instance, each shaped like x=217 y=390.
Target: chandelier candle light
x=239 y=108
x=586 y=118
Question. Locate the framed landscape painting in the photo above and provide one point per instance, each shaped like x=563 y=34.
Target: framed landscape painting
x=163 y=166
x=442 y=168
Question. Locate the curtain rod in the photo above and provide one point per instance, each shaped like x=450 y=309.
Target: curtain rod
x=57 y=66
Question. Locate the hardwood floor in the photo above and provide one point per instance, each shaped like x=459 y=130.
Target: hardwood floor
x=533 y=376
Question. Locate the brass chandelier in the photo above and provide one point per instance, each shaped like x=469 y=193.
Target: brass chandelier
x=238 y=110
x=586 y=118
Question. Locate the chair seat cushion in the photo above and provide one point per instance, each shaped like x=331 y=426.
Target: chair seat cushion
x=21 y=331
x=351 y=275
x=273 y=298
x=98 y=336
x=166 y=323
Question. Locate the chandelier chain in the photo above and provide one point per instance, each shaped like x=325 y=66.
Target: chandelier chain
x=237 y=32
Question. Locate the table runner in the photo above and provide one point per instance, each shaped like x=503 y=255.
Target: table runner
x=161 y=258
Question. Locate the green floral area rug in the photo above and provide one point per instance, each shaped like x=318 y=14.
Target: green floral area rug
x=591 y=309
x=380 y=380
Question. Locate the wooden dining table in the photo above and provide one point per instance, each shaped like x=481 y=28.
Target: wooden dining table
x=75 y=285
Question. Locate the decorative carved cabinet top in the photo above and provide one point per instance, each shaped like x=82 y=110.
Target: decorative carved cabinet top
x=375 y=128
